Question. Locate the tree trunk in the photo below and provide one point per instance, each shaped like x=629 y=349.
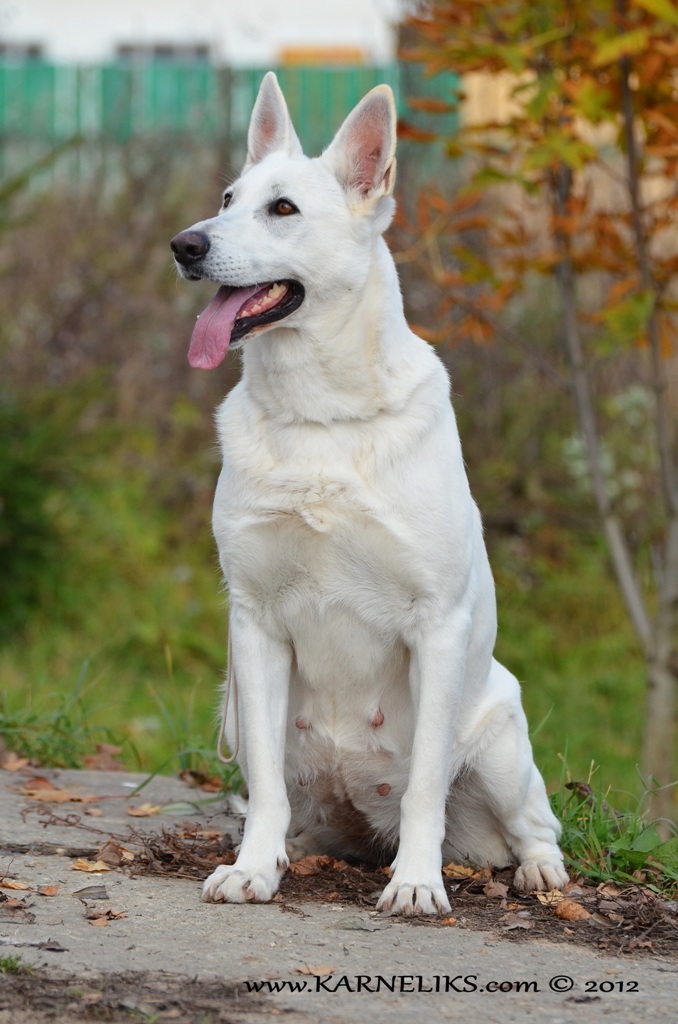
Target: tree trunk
x=659 y=754
x=617 y=545
x=659 y=757
x=658 y=751
x=658 y=636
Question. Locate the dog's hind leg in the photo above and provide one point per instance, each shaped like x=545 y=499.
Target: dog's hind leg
x=510 y=792
x=473 y=834
x=262 y=669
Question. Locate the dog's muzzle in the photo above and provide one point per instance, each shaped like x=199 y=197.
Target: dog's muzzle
x=189 y=247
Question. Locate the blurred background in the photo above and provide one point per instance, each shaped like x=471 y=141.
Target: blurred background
x=119 y=128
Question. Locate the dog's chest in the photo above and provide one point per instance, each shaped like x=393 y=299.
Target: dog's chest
x=308 y=545
x=312 y=519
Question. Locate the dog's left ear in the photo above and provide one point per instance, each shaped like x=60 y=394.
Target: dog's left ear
x=362 y=154
x=271 y=127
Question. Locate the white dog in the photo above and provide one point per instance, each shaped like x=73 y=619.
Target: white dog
x=372 y=715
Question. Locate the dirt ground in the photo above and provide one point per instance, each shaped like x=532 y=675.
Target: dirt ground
x=632 y=920
x=165 y=849
x=40 y=998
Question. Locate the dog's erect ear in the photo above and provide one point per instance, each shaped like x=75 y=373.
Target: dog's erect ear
x=271 y=129
x=362 y=154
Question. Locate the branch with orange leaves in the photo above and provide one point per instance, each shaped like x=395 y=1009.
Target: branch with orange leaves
x=426 y=253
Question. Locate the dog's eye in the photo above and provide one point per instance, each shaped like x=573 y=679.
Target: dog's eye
x=283 y=207
x=227 y=200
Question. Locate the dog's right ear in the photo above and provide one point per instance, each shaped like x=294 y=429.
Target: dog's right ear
x=271 y=129
x=362 y=154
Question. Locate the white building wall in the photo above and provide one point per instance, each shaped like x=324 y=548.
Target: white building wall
x=238 y=32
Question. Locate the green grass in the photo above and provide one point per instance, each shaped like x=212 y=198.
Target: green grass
x=129 y=642
x=58 y=732
x=602 y=843
x=125 y=640
x=141 y=661
x=14 y=965
x=149 y=686
x=564 y=632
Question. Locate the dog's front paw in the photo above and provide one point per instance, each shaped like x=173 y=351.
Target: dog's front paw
x=234 y=884
x=408 y=898
x=540 y=876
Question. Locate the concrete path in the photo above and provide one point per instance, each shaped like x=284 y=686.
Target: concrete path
x=363 y=967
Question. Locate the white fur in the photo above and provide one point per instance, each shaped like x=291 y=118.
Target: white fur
x=353 y=551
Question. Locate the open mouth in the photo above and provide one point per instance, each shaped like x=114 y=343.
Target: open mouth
x=235 y=312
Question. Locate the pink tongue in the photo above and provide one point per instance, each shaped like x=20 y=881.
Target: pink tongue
x=212 y=332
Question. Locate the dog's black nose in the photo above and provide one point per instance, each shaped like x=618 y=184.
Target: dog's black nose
x=189 y=246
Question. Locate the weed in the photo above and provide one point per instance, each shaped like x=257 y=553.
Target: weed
x=55 y=731
x=14 y=965
x=602 y=843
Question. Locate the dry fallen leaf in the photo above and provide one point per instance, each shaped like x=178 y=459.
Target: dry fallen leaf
x=496 y=889
x=453 y=870
x=550 y=899
x=99 y=914
x=313 y=865
x=608 y=889
x=212 y=785
x=640 y=944
x=208 y=784
x=316 y=971
x=11 y=762
x=143 y=810
x=99 y=921
x=105 y=759
x=12 y=903
x=192 y=778
x=520 y=920
x=90 y=865
x=114 y=854
x=13 y=883
x=40 y=788
x=568 y=910
x=63 y=796
x=39 y=782
x=16 y=911
x=92 y=892
x=92 y=997
x=191 y=831
x=49 y=890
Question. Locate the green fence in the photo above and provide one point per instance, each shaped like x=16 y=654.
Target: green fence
x=43 y=105
x=118 y=102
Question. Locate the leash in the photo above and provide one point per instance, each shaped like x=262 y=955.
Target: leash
x=231 y=684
